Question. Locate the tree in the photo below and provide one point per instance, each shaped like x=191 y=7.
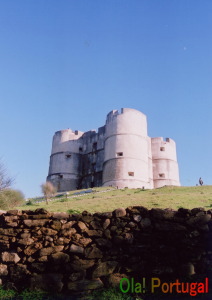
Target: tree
x=9 y=198
x=48 y=190
x=5 y=180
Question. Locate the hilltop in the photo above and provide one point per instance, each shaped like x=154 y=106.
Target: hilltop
x=107 y=199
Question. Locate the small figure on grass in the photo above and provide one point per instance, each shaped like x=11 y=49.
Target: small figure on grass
x=200 y=181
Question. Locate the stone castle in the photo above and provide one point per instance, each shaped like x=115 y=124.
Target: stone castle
x=119 y=154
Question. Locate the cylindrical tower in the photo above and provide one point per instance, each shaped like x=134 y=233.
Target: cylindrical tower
x=151 y=184
x=64 y=167
x=126 y=150
x=165 y=166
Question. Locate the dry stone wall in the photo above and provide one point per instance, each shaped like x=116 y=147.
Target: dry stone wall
x=59 y=252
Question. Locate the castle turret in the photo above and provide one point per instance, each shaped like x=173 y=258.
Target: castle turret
x=164 y=159
x=126 y=157
x=64 y=167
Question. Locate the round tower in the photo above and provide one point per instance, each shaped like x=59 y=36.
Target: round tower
x=164 y=159
x=126 y=150
x=64 y=167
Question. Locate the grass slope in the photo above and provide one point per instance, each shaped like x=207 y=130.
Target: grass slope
x=102 y=200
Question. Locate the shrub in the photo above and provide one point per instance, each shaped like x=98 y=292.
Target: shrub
x=48 y=190
x=29 y=202
x=11 y=198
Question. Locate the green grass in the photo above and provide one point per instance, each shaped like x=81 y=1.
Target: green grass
x=166 y=197
x=9 y=294
x=103 y=294
x=110 y=293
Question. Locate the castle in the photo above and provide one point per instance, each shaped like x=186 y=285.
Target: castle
x=119 y=154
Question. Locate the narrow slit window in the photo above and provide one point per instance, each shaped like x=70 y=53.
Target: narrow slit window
x=162 y=175
x=92 y=184
x=118 y=154
x=162 y=148
x=94 y=146
x=131 y=173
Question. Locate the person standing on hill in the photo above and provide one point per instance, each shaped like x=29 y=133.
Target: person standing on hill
x=200 y=181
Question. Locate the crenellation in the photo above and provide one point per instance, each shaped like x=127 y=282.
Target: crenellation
x=119 y=154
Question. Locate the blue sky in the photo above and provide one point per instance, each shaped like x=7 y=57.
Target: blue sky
x=66 y=64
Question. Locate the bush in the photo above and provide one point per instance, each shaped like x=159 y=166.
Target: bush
x=29 y=202
x=10 y=199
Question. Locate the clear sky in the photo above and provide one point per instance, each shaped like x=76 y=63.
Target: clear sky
x=66 y=64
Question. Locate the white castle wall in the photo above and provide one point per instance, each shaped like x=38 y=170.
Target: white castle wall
x=120 y=154
x=64 y=169
x=165 y=166
x=126 y=150
x=151 y=182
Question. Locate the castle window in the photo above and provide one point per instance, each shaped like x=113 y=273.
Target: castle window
x=162 y=148
x=94 y=146
x=80 y=149
x=119 y=154
x=92 y=184
x=162 y=175
x=61 y=176
x=131 y=173
x=68 y=155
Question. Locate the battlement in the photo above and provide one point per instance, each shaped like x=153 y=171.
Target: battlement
x=163 y=140
x=111 y=115
x=70 y=131
x=115 y=113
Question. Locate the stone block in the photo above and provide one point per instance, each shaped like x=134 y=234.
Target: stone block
x=48 y=282
x=119 y=212
x=10 y=257
x=106 y=224
x=3 y=270
x=48 y=231
x=85 y=285
x=82 y=227
x=93 y=252
x=76 y=249
x=104 y=243
x=60 y=215
x=56 y=225
x=31 y=249
x=81 y=264
x=84 y=241
x=36 y=223
x=104 y=269
x=60 y=258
